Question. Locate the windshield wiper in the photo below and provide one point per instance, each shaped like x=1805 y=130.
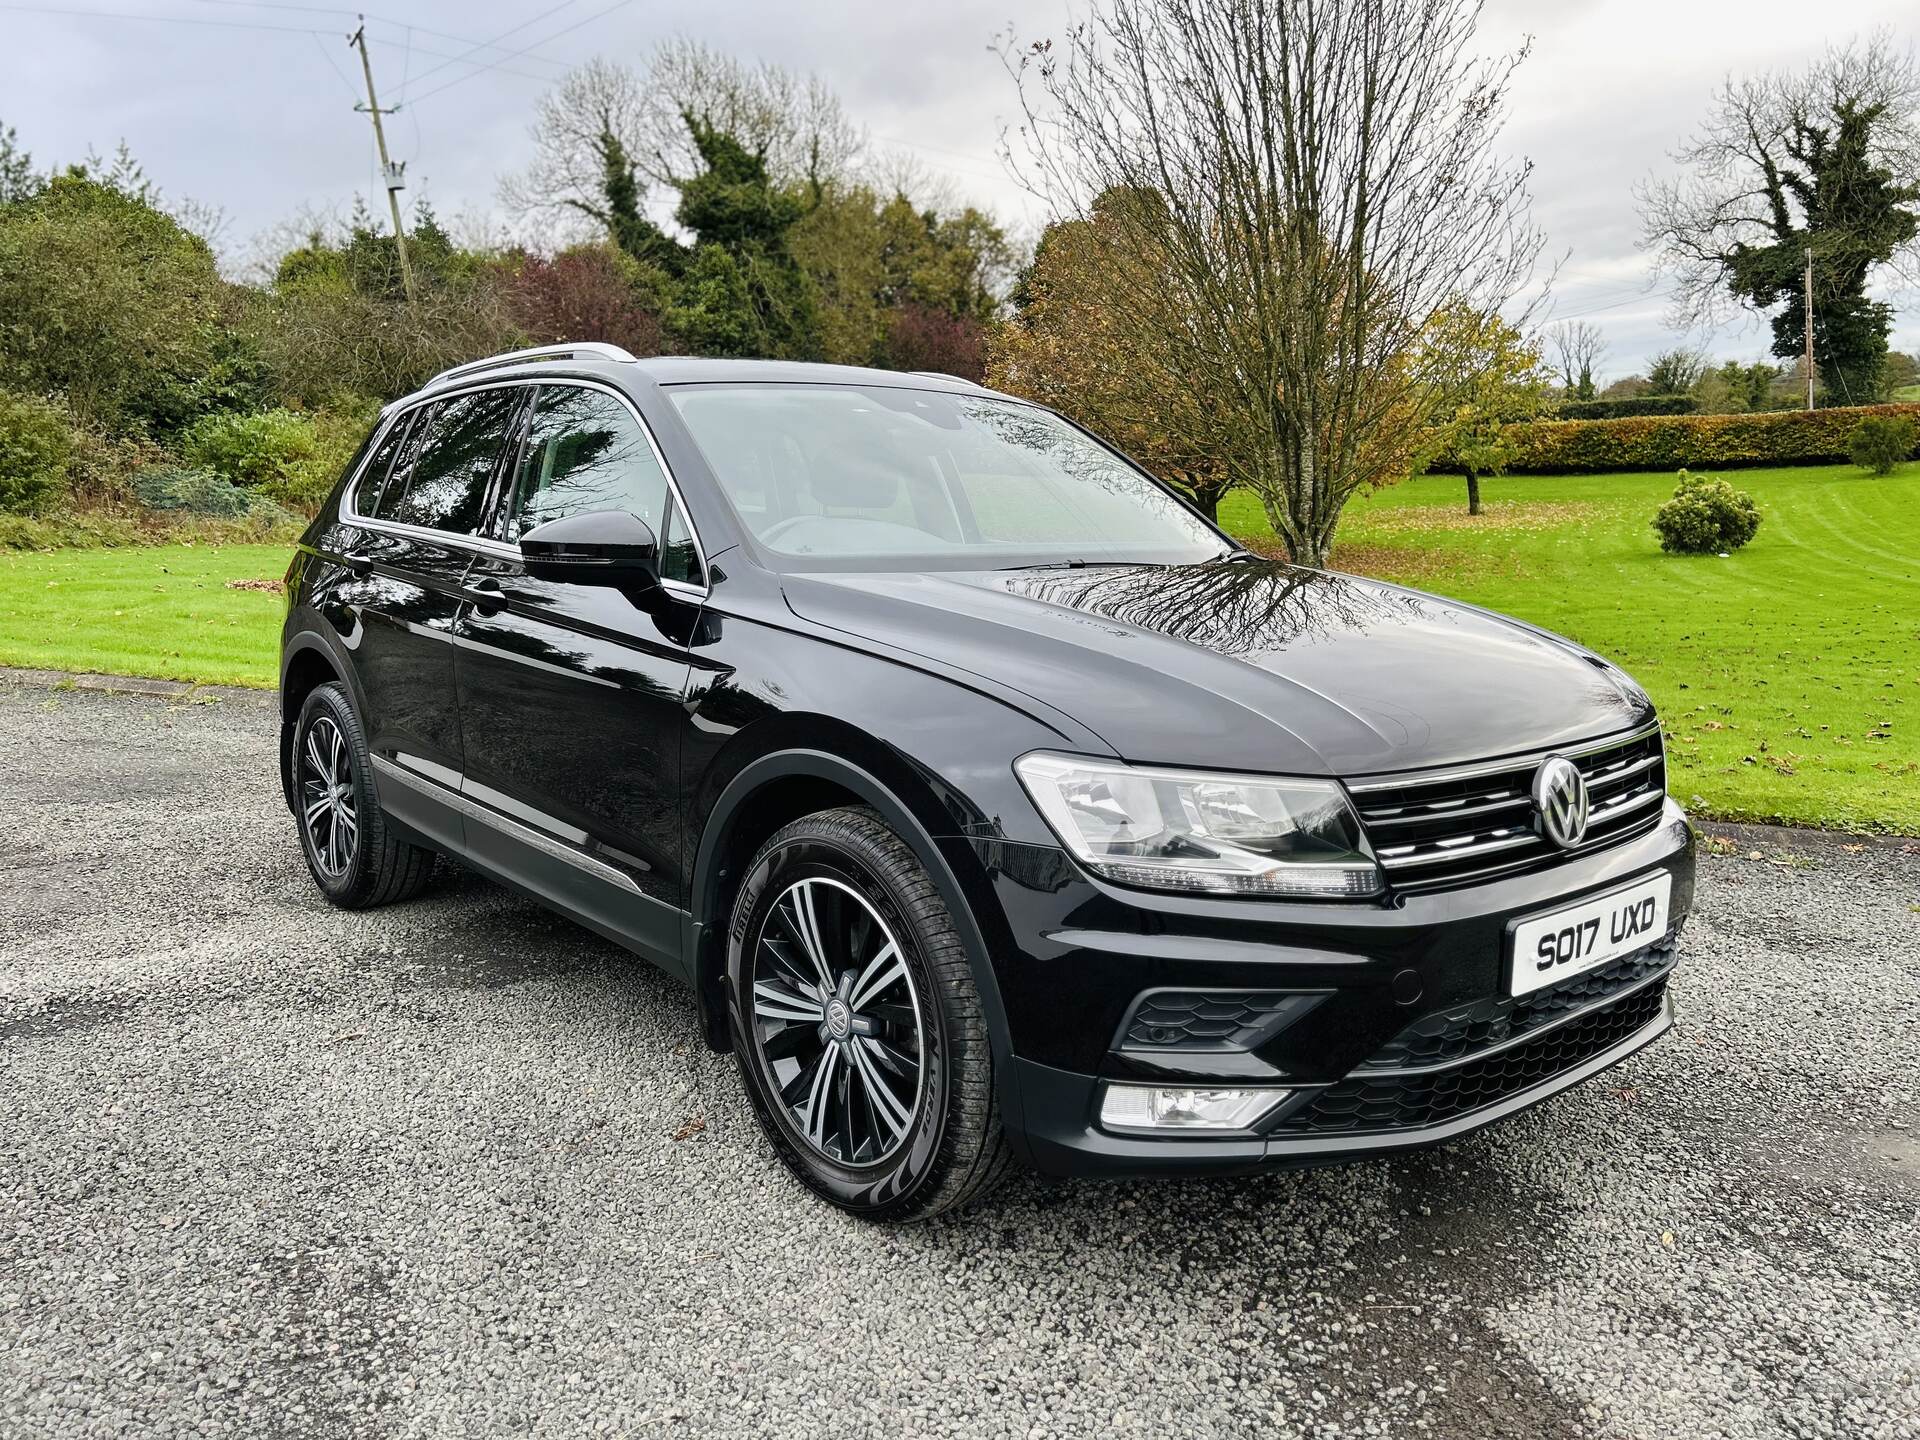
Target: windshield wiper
x=1079 y=564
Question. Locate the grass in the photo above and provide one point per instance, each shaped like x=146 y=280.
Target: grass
x=1788 y=675
x=170 y=610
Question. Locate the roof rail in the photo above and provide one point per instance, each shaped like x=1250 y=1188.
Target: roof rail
x=943 y=375
x=574 y=350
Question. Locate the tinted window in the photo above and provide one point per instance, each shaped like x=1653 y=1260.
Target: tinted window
x=585 y=452
x=374 y=478
x=454 y=456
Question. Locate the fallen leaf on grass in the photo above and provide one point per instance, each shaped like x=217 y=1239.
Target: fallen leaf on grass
x=694 y=1125
x=272 y=587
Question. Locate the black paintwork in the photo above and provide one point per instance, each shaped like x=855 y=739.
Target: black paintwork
x=612 y=751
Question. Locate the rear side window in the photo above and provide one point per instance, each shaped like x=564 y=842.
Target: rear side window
x=442 y=479
x=585 y=451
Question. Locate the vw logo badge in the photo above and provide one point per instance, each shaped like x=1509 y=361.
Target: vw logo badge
x=1560 y=798
x=839 y=1018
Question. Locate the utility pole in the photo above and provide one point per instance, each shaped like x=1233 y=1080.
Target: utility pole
x=392 y=173
x=1809 y=320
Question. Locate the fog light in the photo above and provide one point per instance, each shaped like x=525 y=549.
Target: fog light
x=1160 y=1107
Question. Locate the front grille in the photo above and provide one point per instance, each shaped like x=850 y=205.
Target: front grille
x=1410 y=1102
x=1215 y=1020
x=1462 y=1029
x=1456 y=827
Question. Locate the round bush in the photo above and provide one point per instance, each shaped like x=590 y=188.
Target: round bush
x=1706 y=517
x=36 y=442
x=196 y=491
x=1881 y=442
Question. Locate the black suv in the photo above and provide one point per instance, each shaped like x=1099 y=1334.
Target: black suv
x=994 y=804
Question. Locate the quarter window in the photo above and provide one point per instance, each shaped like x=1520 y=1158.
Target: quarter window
x=455 y=450
x=373 y=479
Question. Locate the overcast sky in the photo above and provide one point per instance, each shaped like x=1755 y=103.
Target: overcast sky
x=250 y=108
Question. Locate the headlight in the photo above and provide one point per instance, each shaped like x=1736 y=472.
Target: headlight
x=1189 y=830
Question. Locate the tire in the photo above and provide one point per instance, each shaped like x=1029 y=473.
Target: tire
x=351 y=851
x=879 y=1137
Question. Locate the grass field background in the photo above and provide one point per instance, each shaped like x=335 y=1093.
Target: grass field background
x=174 y=611
x=1788 y=674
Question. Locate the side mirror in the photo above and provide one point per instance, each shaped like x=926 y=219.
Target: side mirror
x=599 y=547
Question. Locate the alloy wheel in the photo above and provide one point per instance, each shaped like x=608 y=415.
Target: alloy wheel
x=326 y=798
x=838 y=1021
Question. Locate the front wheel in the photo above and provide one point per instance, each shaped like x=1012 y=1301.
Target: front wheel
x=857 y=1025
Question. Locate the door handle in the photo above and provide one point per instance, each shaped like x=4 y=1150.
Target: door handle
x=484 y=595
x=360 y=566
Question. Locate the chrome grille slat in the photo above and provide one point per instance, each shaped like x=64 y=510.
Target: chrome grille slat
x=1462 y=825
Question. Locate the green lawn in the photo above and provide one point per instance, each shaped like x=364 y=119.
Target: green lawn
x=167 y=610
x=1788 y=675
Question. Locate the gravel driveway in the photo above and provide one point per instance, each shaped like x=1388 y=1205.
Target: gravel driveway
x=460 y=1168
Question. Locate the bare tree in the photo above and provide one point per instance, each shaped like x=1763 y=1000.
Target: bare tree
x=1578 y=347
x=605 y=113
x=1320 y=175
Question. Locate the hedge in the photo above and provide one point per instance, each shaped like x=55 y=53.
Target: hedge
x=1673 y=442
x=1622 y=408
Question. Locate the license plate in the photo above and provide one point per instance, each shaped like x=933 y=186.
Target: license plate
x=1550 y=948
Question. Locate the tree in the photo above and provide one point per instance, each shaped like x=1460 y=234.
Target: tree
x=1495 y=378
x=742 y=294
x=1069 y=347
x=109 y=301
x=604 y=114
x=18 y=179
x=1320 y=179
x=1825 y=162
x=590 y=292
x=1675 y=372
x=1577 y=348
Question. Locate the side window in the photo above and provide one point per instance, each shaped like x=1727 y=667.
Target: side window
x=679 y=559
x=454 y=458
x=585 y=452
x=373 y=479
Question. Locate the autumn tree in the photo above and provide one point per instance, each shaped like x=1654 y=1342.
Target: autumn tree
x=1069 y=347
x=1825 y=161
x=1493 y=377
x=1321 y=178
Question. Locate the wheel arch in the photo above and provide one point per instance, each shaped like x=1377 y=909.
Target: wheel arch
x=782 y=785
x=307 y=662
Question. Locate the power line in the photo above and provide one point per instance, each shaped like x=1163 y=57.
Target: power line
x=495 y=42
x=568 y=30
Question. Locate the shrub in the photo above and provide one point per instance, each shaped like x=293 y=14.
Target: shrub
x=1881 y=442
x=196 y=491
x=272 y=452
x=1667 y=442
x=1705 y=517
x=36 y=442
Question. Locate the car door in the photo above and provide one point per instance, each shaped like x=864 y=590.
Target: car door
x=417 y=528
x=571 y=696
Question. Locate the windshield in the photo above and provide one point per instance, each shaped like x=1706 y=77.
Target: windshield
x=854 y=477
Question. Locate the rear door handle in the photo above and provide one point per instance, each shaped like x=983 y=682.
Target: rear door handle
x=360 y=565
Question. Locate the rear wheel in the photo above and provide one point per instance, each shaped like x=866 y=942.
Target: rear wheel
x=352 y=852
x=857 y=1025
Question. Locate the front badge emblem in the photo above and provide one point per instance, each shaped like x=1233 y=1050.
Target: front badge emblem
x=1560 y=800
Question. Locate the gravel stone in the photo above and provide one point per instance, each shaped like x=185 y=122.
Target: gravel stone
x=457 y=1167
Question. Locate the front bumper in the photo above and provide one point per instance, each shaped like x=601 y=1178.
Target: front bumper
x=1389 y=1022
